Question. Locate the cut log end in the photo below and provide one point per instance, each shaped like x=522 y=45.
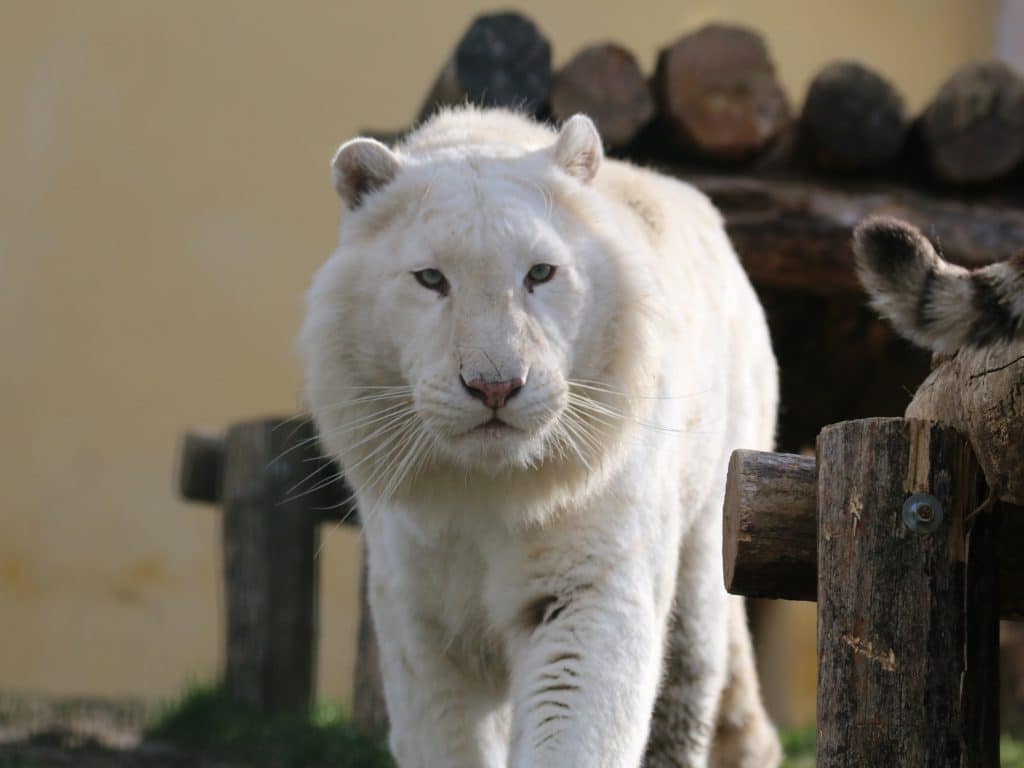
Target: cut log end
x=974 y=128
x=199 y=466
x=501 y=61
x=718 y=94
x=605 y=83
x=853 y=119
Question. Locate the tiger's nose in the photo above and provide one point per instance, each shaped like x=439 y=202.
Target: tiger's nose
x=493 y=394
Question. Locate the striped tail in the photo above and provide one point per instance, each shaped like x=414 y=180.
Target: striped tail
x=935 y=304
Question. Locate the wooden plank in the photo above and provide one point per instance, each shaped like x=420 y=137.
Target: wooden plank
x=901 y=669
x=796 y=234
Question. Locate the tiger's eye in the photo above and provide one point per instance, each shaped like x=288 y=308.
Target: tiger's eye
x=539 y=273
x=433 y=279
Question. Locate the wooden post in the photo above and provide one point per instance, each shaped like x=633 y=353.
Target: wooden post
x=270 y=540
x=369 y=712
x=907 y=600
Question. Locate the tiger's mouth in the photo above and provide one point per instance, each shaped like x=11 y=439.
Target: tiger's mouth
x=495 y=426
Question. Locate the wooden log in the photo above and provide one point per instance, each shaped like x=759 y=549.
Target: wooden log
x=773 y=499
x=974 y=127
x=718 y=95
x=270 y=539
x=853 y=119
x=981 y=393
x=369 y=711
x=604 y=82
x=796 y=234
x=200 y=460
x=501 y=61
x=777 y=551
x=903 y=666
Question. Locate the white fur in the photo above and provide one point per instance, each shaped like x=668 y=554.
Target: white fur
x=646 y=360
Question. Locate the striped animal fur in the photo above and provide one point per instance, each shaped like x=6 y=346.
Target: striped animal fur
x=938 y=305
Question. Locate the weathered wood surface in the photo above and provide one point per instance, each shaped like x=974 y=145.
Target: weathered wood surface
x=270 y=539
x=768 y=499
x=853 y=119
x=718 y=95
x=501 y=61
x=797 y=234
x=771 y=506
x=981 y=393
x=974 y=128
x=902 y=666
x=605 y=83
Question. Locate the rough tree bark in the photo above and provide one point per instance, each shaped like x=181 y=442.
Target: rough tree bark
x=907 y=675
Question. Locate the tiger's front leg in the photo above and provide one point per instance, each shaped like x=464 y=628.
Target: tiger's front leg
x=585 y=674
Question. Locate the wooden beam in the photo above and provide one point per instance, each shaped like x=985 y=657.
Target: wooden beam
x=770 y=515
x=796 y=234
x=270 y=576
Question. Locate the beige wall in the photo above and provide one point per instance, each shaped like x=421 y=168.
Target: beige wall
x=164 y=198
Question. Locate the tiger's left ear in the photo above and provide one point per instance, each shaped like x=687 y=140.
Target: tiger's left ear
x=578 y=150
x=361 y=167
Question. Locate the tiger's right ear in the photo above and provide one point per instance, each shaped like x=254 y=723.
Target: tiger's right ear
x=362 y=166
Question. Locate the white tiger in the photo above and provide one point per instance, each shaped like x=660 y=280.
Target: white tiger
x=532 y=364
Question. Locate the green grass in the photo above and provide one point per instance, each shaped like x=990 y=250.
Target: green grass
x=206 y=721
x=798 y=744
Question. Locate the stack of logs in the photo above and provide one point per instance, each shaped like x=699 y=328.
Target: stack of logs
x=714 y=98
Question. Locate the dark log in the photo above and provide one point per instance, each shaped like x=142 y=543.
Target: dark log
x=974 y=127
x=369 y=712
x=200 y=460
x=853 y=119
x=763 y=479
x=501 y=61
x=718 y=95
x=776 y=551
x=605 y=83
x=270 y=540
x=797 y=234
x=905 y=671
